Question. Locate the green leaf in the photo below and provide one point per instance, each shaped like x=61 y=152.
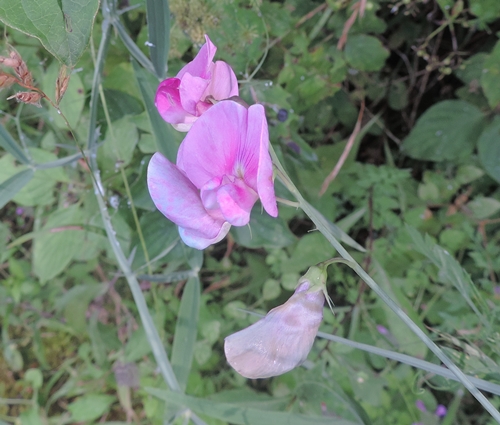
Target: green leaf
x=161 y=130
x=485 y=10
x=483 y=207
x=90 y=407
x=10 y=145
x=446 y=131
x=119 y=145
x=158 y=15
x=238 y=414
x=54 y=250
x=186 y=330
x=365 y=53
x=10 y=187
x=62 y=26
x=489 y=149
x=490 y=78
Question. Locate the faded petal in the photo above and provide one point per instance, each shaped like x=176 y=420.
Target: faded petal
x=179 y=200
x=196 y=239
x=281 y=340
x=169 y=104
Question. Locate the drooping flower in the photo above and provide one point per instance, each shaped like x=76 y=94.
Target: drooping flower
x=282 y=339
x=182 y=99
x=223 y=168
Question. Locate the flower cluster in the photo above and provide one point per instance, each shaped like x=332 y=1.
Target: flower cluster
x=223 y=165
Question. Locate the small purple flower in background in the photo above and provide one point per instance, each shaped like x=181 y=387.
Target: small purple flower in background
x=19 y=211
x=420 y=406
x=441 y=411
x=182 y=99
x=382 y=330
x=223 y=168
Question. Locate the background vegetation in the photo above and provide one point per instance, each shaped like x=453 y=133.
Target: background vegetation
x=409 y=91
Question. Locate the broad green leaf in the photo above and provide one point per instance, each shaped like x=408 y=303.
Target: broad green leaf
x=161 y=130
x=62 y=26
x=486 y=10
x=10 y=187
x=90 y=407
x=472 y=68
x=119 y=145
x=237 y=414
x=489 y=149
x=483 y=207
x=53 y=251
x=446 y=131
x=490 y=78
x=10 y=145
x=158 y=15
x=365 y=53
x=186 y=330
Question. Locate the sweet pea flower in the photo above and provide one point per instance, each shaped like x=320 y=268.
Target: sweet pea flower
x=282 y=339
x=182 y=99
x=223 y=168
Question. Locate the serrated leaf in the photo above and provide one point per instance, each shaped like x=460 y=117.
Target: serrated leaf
x=446 y=131
x=489 y=149
x=62 y=26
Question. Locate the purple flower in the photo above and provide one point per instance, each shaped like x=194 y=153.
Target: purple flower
x=223 y=168
x=441 y=411
x=382 y=330
x=420 y=406
x=182 y=99
x=282 y=339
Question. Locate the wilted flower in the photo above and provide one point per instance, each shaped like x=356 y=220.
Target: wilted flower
x=223 y=167
x=282 y=339
x=182 y=99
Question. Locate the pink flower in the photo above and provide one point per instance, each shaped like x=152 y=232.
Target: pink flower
x=282 y=339
x=223 y=167
x=181 y=100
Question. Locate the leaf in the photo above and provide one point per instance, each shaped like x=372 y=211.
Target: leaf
x=237 y=414
x=490 y=78
x=119 y=145
x=90 y=407
x=10 y=187
x=483 y=207
x=446 y=131
x=489 y=149
x=10 y=145
x=186 y=330
x=62 y=26
x=161 y=130
x=53 y=251
x=158 y=16
x=365 y=53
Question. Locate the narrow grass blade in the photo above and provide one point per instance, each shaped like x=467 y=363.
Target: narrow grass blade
x=10 y=187
x=132 y=47
x=10 y=145
x=237 y=414
x=59 y=162
x=186 y=330
x=161 y=130
x=158 y=14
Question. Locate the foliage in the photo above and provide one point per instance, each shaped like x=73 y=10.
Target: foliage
x=416 y=201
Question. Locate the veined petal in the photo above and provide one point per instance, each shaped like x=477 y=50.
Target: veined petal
x=201 y=64
x=255 y=159
x=281 y=340
x=236 y=201
x=195 y=239
x=224 y=83
x=179 y=200
x=169 y=104
x=191 y=90
x=209 y=149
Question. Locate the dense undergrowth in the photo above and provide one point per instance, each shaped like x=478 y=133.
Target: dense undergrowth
x=385 y=115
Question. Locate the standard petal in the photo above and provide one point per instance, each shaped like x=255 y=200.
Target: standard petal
x=201 y=64
x=168 y=102
x=196 y=240
x=178 y=199
x=191 y=90
x=223 y=84
x=280 y=341
x=256 y=161
x=236 y=201
x=209 y=149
